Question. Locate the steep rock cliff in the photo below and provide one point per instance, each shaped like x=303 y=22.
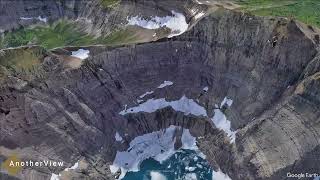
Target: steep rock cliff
x=268 y=66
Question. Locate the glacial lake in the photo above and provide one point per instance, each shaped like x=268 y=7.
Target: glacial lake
x=183 y=165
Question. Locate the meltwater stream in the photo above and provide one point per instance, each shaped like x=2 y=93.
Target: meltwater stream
x=183 y=165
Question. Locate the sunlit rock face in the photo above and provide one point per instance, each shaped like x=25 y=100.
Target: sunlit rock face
x=76 y=114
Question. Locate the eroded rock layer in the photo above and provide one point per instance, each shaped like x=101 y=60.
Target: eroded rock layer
x=269 y=67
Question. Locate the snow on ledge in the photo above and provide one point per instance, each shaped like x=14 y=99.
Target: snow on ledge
x=145 y=94
x=177 y=23
x=199 y=15
x=164 y=84
x=118 y=137
x=81 y=54
x=39 y=18
x=184 y=104
x=158 y=145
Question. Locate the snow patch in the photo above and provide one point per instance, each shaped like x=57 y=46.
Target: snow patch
x=220 y=121
x=226 y=101
x=177 y=23
x=39 y=18
x=75 y=166
x=145 y=94
x=219 y=175
x=193 y=11
x=26 y=18
x=81 y=54
x=56 y=176
x=164 y=84
x=199 y=15
x=197 y=1
x=42 y=19
x=118 y=137
x=184 y=104
x=157 y=176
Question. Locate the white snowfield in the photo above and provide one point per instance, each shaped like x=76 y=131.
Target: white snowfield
x=188 y=106
x=220 y=120
x=158 y=145
x=81 y=54
x=177 y=23
x=57 y=176
x=184 y=104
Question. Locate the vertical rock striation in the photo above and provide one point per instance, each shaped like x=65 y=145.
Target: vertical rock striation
x=269 y=67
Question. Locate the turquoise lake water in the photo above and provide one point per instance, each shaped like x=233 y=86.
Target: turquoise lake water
x=183 y=165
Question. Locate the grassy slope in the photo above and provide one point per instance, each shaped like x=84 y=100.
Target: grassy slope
x=63 y=34
x=307 y=11
x=120 y=37
x=55 y=35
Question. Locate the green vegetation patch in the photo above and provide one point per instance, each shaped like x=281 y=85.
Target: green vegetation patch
x=307 y=11
x=59 y=34
x=120 y=37
x=109 y=3
x=64 y=33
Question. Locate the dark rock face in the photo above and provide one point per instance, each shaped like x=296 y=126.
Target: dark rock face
x=13 y=11
x=267 y=66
